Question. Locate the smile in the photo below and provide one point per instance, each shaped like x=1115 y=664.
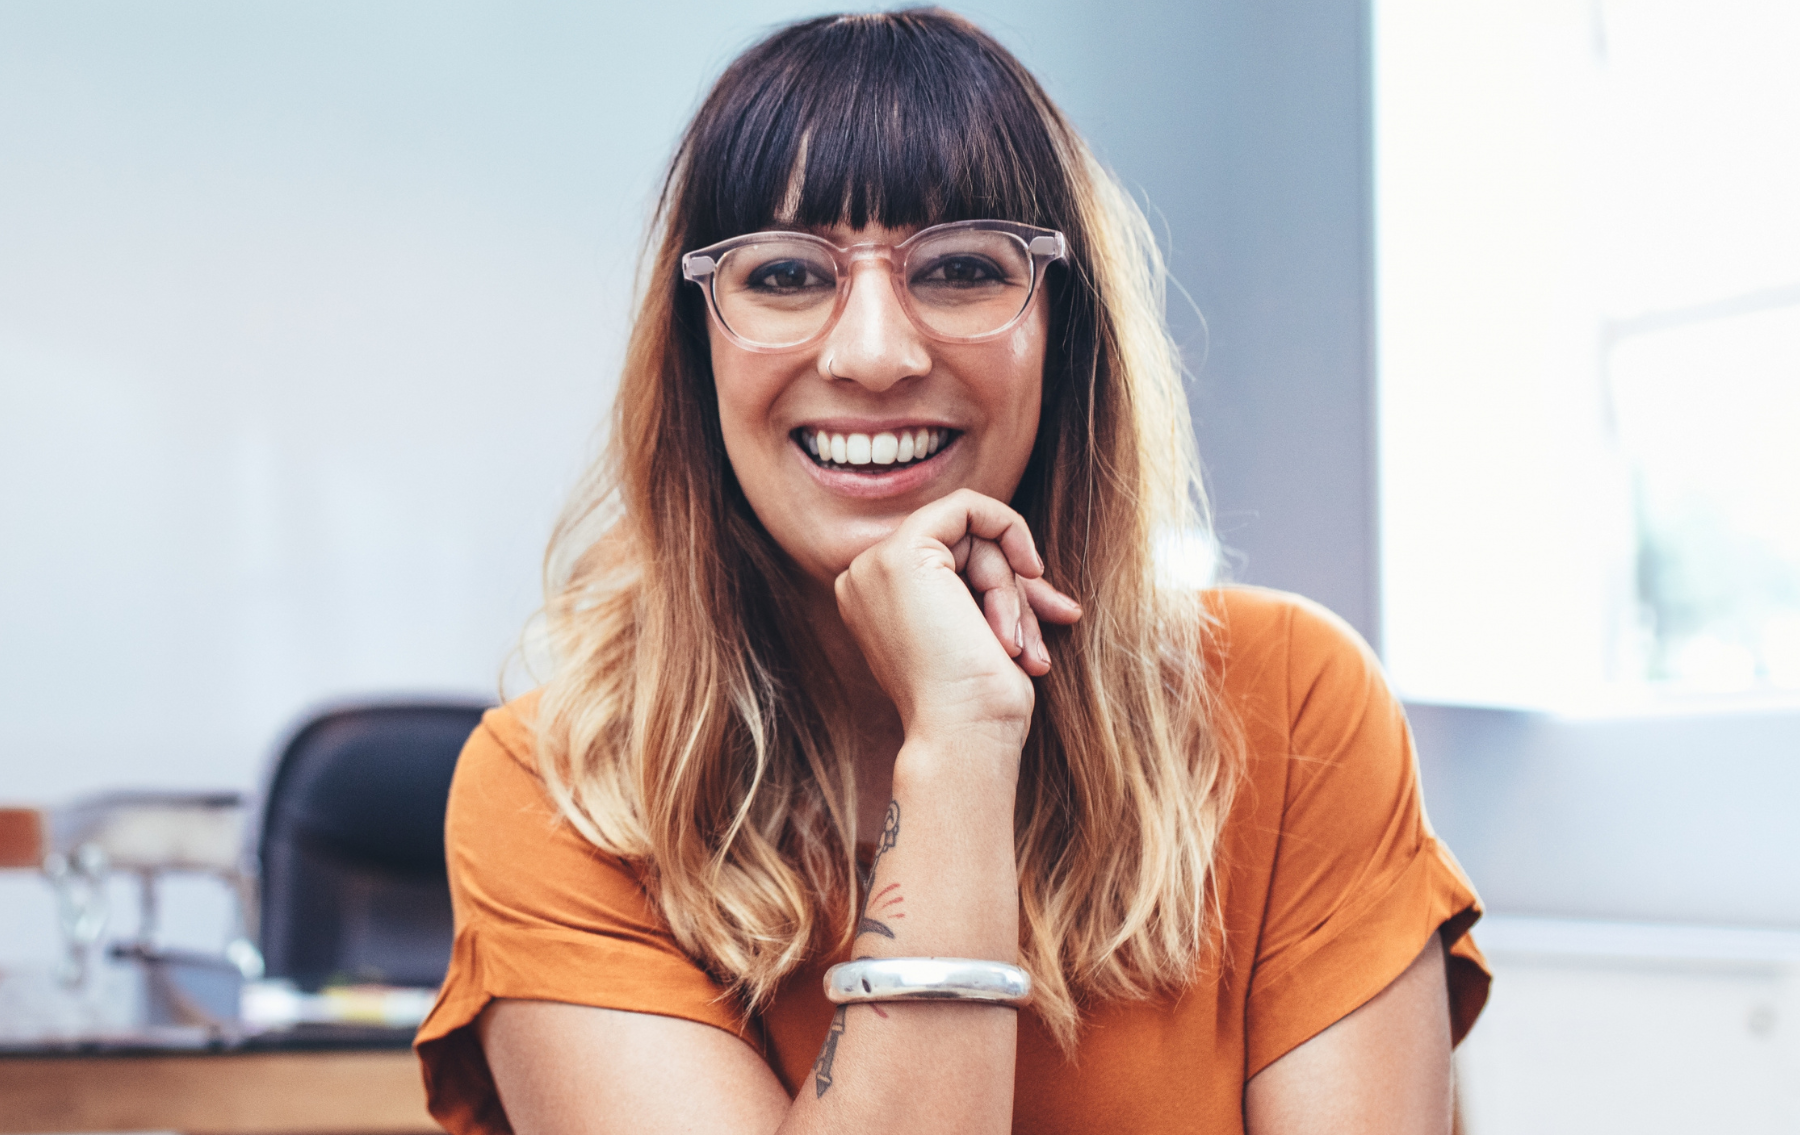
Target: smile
x=855 y=451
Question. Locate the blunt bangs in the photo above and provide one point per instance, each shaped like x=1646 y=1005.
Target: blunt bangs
x=899 y=119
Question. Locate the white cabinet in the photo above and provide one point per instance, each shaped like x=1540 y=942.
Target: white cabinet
x=1611 y=1027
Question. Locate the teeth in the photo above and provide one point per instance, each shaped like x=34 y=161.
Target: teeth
x=883 y=449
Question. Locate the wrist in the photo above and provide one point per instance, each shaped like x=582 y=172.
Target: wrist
x=971 y=761
x=980 y=710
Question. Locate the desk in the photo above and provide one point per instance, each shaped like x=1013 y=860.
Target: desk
x=334 y=1090
x=98 y=1058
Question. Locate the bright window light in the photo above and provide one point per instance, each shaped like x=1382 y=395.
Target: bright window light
x=1588 y=278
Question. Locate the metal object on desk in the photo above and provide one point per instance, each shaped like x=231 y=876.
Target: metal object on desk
x=150 y=834
x=79 y=880
x=136 y=989
x=158 y=1039
x=146 y=835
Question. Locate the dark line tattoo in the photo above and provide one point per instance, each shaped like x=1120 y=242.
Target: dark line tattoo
x=890 y=835
x=867 y=925
x=890 y=898
x=828 y=1053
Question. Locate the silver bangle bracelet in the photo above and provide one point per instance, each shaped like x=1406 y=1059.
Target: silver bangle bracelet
x=927 y=979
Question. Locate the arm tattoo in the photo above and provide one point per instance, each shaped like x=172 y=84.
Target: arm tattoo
x=887 y=901
x=889 y=896
x=822 y=1067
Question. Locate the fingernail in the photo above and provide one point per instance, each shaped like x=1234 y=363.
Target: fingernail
x=1019 y=635
x=1040 y=652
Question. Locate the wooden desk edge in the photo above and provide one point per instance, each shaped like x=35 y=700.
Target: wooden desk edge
x=324 y=1091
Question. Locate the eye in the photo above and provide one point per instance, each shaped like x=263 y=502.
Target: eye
x=961 y=270
x=786 y=276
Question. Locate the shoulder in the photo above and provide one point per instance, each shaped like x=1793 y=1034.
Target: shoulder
x=1280 y=651
x=499 y=761
x=503 y=828
x=517 y=860
x=507 y=733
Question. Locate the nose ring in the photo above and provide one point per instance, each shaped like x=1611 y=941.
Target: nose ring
x=831 y=371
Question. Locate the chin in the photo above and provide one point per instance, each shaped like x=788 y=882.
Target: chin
x=852 y=537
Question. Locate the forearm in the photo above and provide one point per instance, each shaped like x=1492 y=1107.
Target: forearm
x=944 y=884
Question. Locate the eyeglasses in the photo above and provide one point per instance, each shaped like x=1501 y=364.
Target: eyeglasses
x=958 y=282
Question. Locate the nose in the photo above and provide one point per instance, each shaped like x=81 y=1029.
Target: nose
x=874 y=343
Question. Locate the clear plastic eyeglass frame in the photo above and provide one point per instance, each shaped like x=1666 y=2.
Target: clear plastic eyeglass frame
x=1038 y=247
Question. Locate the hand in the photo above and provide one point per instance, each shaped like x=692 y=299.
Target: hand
x=946 y=612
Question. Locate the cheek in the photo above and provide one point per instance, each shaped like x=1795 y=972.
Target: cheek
x=746 y=385
x=1021 y=375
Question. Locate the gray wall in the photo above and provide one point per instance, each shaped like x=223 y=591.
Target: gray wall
x=1246 y=125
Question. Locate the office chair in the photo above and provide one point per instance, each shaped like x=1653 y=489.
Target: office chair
x=352 y=846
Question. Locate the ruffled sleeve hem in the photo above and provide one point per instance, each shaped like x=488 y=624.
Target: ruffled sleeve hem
x=1354 y=957
x=546 y=965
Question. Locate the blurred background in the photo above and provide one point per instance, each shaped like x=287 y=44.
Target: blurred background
x=310 y=315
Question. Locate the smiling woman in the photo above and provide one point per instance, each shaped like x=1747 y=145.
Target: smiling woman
x=870 y=557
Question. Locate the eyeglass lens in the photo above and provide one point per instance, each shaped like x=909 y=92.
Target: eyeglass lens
x=961 y=283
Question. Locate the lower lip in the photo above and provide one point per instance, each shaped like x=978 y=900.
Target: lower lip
x=858 y=485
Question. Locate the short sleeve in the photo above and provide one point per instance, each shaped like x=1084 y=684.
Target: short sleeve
x=540 y=914
x=1360 y=882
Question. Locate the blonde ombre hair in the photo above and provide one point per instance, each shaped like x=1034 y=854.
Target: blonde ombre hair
x=689 y=724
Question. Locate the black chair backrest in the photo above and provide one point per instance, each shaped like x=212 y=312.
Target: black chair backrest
x=352 y=846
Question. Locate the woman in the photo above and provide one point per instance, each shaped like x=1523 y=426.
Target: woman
x=862 y=654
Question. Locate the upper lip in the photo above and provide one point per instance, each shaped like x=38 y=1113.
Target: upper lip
x=871 y=425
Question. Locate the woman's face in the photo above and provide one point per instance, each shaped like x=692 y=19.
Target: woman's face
x=875 y=375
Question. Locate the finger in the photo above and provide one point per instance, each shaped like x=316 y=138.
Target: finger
x=1049 y=603
x=966 y=512
x=1004 y=614
x=986 y=566
x=992 y=580
x=1035 y=658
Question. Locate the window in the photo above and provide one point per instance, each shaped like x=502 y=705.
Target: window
x=1588 y=280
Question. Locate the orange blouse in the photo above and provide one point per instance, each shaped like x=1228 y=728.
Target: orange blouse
x=1329 y=874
